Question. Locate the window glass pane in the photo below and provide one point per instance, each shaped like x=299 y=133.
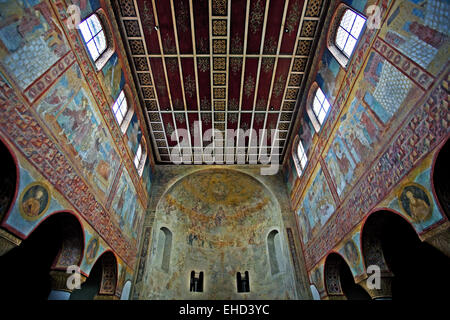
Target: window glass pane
x=350 y=46
x=94 y=24
x=123 y=107
x=348 y=19
x=321 y=116
x=303 y=162
x=93 y=50
x=139 y=152
x=85 y=31
x=302 y=155
x=320 y=95
x=357 y=27
x=119 y=118
x=316 y=107
x=100 y=41
x=115 y=107
x=341 y=38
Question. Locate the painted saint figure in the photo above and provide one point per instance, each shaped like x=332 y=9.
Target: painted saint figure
x=32 y=206
x=418 y=207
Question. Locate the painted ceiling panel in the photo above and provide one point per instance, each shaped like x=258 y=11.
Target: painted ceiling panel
x=230 y=64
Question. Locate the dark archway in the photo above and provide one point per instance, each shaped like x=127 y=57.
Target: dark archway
x=339 y=280
x=441 y=178
x=102 y=280
x=8 y=178
x=420 y=270
x=55 y=244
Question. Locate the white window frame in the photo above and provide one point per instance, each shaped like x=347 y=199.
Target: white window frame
x=91 y=37
x=351 y=34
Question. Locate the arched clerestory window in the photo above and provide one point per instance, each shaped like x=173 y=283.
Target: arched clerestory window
x=345 y=31
x=96 y=34
x=120 y=109
x=320 y=106
x=317 y=106
x=273 y=246
x=165 y=247
x=299 y=156
x=140 y=157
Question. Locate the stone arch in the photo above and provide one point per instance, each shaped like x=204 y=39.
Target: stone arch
x=10 y=179
x=54 y=245
x=339 y=281
x=391 y=243
x=102 y=280
x=440 y=178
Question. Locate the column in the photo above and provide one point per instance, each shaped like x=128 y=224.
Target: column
x=60 y=291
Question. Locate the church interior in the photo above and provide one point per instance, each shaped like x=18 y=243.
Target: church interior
x=224 y=149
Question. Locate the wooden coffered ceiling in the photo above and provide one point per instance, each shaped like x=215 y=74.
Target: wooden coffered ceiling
x=229 y=63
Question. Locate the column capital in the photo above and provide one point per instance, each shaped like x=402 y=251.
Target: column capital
x=59 y=280
x=439 y=238
x=8 y=242
x=385 y=290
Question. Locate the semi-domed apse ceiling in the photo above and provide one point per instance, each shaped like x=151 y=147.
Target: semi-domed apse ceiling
x=231 y=65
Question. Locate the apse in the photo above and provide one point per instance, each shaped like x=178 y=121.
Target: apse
x=218 y=234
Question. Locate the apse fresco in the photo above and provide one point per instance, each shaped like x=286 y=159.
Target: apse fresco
x=316 y=208
x=219 y=220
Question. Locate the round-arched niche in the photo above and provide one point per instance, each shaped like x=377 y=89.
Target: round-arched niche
x=219 y=220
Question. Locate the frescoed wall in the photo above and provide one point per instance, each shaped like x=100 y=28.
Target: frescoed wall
x=389 y=114
x=56 y=119
x=317 y=207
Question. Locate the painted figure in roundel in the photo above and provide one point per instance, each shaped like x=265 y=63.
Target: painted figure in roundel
x=34 y=201
x=351 y=252
x=415 y=201
x=92 y=249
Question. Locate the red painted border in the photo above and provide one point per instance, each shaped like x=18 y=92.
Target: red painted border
x=433 y=164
